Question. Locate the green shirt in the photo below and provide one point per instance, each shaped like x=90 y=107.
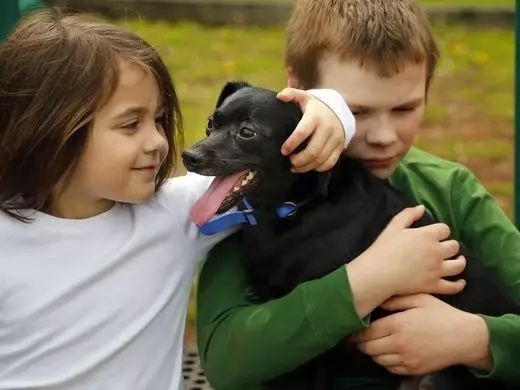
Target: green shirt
x=243 y=344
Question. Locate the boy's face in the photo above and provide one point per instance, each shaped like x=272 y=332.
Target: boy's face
x=388 y=110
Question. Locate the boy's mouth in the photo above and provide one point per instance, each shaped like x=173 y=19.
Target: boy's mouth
x=378 y=163
x=222 y=194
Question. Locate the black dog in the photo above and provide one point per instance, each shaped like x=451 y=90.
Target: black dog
x=326 y=219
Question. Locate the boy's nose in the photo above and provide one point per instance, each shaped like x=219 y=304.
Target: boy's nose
x=383 y=134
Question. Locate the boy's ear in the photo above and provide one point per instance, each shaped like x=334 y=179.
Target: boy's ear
x=292 y=80
x=229 y=89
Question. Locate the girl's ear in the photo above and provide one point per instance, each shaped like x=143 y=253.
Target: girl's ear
x=229 y=89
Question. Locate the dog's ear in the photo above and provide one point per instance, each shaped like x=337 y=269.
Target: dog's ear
x=229 y=89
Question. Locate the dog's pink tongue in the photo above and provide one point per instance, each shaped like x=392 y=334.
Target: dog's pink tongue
x=207 y=206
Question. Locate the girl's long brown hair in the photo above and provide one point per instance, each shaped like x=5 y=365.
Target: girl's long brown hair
x=56 y=70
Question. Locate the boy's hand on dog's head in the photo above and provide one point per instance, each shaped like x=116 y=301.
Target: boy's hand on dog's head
x=320 y=126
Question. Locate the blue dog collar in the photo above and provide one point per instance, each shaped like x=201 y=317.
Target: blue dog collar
x=226 y=221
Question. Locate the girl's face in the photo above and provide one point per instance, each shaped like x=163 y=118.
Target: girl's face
x=126 y=148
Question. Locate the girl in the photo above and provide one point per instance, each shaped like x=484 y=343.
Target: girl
x=97 y=253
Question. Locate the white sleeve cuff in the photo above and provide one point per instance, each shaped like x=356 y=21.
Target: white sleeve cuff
x=337 y=104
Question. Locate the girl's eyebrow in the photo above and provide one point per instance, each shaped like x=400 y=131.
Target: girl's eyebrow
x=131 y=111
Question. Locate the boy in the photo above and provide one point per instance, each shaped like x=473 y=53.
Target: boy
x=381 y=56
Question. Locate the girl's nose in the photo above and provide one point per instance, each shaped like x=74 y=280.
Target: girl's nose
x=155 y=140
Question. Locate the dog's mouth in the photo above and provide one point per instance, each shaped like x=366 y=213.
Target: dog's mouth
x=222 y=194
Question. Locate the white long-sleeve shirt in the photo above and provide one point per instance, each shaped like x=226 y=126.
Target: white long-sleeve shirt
x=99 y=303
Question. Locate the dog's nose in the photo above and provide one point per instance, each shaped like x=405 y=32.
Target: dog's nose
x=191 y=159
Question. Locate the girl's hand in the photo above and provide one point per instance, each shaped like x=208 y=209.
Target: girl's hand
x=321 y=126
x=426 y=335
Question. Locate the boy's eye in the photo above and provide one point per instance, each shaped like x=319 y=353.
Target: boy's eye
x=359 y=113
x=404 y=109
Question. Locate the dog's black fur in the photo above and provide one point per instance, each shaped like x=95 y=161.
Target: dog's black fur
x=342 y=213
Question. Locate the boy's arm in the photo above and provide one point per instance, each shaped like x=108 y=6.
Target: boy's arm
x=246 y=350
x=243 y=344
x=490 y=235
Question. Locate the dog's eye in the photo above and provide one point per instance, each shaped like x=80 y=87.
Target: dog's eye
x=209 y=127
x=246 y=133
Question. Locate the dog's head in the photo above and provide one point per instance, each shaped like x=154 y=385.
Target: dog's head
x=243 y=149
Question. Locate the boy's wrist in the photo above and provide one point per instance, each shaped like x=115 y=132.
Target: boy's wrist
x=335 y=101
x=370 y=285
x=478 y=354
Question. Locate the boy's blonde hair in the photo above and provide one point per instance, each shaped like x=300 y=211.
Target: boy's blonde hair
x=56 y=71
x=383 y=34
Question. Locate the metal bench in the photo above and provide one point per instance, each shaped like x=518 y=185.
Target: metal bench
x=192 y=371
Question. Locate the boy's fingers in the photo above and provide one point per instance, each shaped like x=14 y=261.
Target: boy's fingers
x=331 y=162
x=453 y=267
x=445 y=287
x=378 y=329
x=388 y=360
x=312 y=151
x=304 y=129
x=322 y=158
x=376 y=347
x=437 y=231
x=399 y=370
x=318 y=151
x=441 y=231
x=407 y=217
x=293 y=95
x=450 y=248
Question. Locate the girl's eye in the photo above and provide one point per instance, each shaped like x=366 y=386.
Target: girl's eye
x=246 y=133
x=359 y=113
x=131 y=127
x=159 y=120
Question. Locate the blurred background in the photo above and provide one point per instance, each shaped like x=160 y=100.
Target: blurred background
x=207 y=42
x=470 y=114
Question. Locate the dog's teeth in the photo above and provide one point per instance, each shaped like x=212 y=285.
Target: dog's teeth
x=250 y=175
x=236 y=189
